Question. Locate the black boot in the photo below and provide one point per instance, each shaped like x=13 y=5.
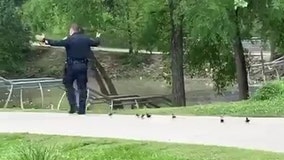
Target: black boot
x=72 y=110
x=82 y=111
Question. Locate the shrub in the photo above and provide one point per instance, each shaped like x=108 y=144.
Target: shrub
x=269 y=91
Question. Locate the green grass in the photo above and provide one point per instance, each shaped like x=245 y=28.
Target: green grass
x=38 y=147
x=267 y=108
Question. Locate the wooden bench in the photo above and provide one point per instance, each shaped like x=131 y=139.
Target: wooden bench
x=134 y=100
x=100 y=100
x=137 y=101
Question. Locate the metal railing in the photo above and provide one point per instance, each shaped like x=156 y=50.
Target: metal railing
x=31 y=83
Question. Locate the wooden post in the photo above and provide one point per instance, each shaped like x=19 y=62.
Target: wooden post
x=262 y=64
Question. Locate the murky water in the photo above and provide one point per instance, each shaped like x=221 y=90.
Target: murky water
x=198 y=91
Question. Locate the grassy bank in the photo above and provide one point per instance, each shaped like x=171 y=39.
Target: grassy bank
x=267 y=108
x=27 y=147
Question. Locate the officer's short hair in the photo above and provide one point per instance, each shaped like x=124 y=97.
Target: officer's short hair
x=75 y=27
x=81 y=30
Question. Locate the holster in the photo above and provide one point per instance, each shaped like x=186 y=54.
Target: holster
x=64 y=72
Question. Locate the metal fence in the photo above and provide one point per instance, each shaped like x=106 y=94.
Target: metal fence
x=12 y=85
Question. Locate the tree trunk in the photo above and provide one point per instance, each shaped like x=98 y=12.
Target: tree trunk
x=130 y=44
x=274 y=55
x=178 y=91
x=240 y=62
x=129 y=31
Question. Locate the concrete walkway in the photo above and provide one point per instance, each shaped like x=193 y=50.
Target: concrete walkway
x=262 y=133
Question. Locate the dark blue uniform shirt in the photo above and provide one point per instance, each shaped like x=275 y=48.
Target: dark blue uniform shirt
x=78 y=46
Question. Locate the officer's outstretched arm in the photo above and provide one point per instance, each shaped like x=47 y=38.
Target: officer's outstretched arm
x=56 y=42
x=94 y=42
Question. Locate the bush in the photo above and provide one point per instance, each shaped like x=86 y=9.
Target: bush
x=269 y=91
x=14 y=37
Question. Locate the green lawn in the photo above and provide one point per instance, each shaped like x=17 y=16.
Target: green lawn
x=267 y=108
x=37 y=147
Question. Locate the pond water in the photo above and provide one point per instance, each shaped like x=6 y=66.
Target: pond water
x=198 y=91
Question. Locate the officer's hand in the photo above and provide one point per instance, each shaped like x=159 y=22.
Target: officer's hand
x=40 y=37
x=98 y=35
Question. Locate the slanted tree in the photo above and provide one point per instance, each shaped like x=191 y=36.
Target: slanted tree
x=103 y=74
x=240 y=60
x=98 y=76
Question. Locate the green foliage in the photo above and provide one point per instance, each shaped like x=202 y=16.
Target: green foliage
x=268 y=16
x=210 y=43
x=14 y=37
x=209 y=27
x=216 y=60
x=56 y=16
x=155 y=29
x=270 y=91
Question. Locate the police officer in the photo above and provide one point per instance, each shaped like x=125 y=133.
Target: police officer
x=78 y=47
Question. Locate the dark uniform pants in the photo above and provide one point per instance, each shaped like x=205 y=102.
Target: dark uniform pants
x=76 y=70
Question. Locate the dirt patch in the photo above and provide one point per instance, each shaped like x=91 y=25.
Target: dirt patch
x=48 y=62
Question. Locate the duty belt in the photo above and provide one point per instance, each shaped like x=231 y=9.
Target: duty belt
x=75 y=60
